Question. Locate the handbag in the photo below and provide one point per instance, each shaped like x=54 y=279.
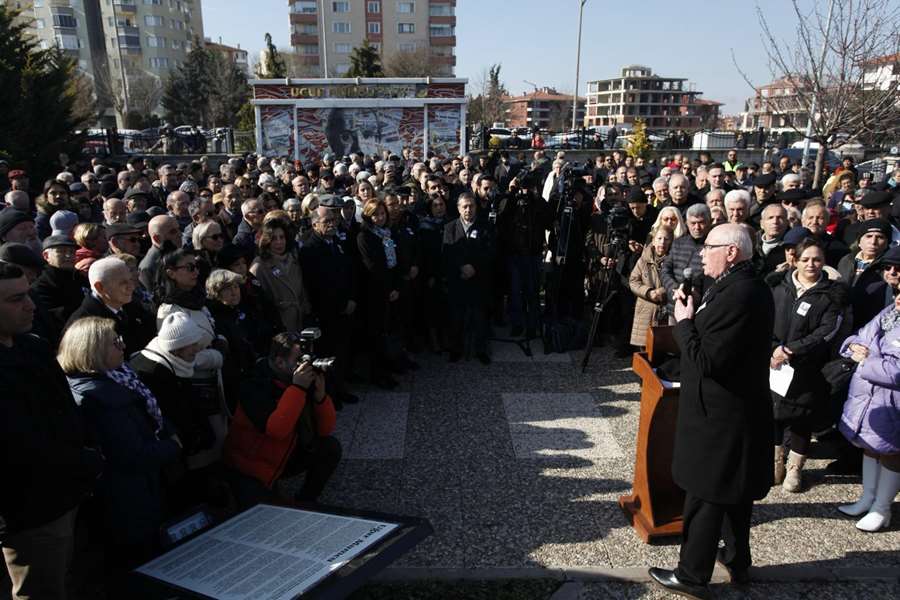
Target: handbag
x=837 y=374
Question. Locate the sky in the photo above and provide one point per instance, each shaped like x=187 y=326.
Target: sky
x=536 y=40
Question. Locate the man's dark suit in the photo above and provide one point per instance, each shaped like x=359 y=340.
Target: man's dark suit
x=469 y=298
x=723 y=453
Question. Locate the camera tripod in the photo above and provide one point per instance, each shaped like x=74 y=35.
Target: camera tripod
x=602 y=298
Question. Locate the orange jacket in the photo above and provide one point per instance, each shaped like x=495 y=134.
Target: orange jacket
x=263 y=455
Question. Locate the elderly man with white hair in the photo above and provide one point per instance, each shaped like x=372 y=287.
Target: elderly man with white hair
x=737 y=206
x=723 y=453
x=18 y=200
x=112 y=287
x=114 y=211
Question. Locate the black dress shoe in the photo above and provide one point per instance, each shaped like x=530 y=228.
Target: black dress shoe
x=668 y=581
x=484 y=358
x=738 y=576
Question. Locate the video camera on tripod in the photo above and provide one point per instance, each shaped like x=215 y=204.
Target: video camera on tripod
x=566 y=186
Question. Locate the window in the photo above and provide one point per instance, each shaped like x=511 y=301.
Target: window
x=373 y=7
x=306 y=28
x=340 y=27
x=308 y=49
x=154 y=21
x=373 y=27
x=341 y=69
x=407 y=46
x=441 y=30
x=43 y=44
x=340 y=7
x=68 y=42
x=406 y=27
x=153 y=2
x=65 y=21
x=343 y=48
x=159 y=62
x=441 y=10
x=129 y=41
x=305 y=7
x=406 y=8
x=38 y=23
x=176 y=44
x=376 y=46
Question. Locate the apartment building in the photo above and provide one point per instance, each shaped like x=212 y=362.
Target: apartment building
x=234 y=54
x=116 y=39
x=324 y=32
x=663 y=103
x=775 y=107
x=544 y=108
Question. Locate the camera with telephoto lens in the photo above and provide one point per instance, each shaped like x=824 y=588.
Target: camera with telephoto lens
x=307 y=352
x=494 y=206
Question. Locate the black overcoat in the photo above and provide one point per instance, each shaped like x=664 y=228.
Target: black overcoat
x=476 y=248
x=723 y=442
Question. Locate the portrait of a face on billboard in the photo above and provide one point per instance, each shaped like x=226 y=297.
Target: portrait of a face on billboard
x=368 y=130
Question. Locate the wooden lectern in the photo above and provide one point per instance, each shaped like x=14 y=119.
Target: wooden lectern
x=654 y=507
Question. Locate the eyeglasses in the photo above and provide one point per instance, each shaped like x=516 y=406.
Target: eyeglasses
x=711 y=246
x=190 y=267
x=894 y=268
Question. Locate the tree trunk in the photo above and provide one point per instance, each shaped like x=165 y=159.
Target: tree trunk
x=820 y=164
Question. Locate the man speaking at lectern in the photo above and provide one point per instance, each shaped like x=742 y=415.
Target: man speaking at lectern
x=723 y=450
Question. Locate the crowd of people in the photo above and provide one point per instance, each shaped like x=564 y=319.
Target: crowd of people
x=165 y=329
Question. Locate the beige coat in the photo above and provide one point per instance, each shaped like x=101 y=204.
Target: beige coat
x=282 y=282
x=644 y=278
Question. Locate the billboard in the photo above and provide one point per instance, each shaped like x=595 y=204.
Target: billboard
x=368 y=130
x=277 y=130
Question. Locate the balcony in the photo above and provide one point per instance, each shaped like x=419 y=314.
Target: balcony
x=444 y=20
x=305 y=18
x=125 y=6
x=128 y=30
x=445 y=40
x=443 y=60
x=309 y=60
x=298 y=39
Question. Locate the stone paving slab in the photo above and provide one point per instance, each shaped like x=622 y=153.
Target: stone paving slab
x=508 y=463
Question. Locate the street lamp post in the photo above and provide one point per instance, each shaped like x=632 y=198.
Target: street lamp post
x=324 y=38
x=577 y=66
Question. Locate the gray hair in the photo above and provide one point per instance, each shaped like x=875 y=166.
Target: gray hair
x=676 y=177
x=715 y=192
x=790 y=178
x=290 y=202
x=660 y=181
x=737 y=235
x=220 y=279
x=101 y=270
x=248 y=205
x=774 y=206
x=698 y=210
x=18 y=200
x=742 y=196
x=200 y=231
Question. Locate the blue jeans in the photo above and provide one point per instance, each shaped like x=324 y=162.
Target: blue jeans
x=524 y=288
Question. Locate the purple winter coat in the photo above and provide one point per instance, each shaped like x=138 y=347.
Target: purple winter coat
x=871 y=416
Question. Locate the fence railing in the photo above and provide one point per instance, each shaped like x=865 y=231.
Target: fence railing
x=105 y=142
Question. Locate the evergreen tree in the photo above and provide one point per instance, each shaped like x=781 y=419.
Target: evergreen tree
x=365 y=62
x=272 y=65
x=487 y=107
x=39 y=90
x=205 y=90
x=639 y=144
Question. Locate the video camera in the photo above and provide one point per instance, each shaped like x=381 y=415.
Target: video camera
x=307 y=352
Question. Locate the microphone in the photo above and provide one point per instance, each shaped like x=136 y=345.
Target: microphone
x=688 y=286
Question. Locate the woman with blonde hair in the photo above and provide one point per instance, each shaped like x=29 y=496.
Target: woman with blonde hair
x=124 y=418
x=670 y=217
x=646 y=284
x=92 y=244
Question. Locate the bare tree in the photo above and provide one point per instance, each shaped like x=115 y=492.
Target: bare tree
x=408 y=63
x=827 y=71
x=145 y=91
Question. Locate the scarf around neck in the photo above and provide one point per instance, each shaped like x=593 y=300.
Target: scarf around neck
x=127 y=378
x=390 y=248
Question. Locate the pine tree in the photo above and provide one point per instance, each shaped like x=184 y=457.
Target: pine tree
x=38 y=92
x=639 y=144
x=365 y=62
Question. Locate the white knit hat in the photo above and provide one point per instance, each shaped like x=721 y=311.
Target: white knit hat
x=63 y=222
x=177 y=331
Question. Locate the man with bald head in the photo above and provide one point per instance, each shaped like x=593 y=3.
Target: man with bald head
x=18 y=200
x=816 y=217
x=723 y=452
x=165 y=236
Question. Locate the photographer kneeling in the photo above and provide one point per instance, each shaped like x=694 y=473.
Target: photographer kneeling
x=284 y=422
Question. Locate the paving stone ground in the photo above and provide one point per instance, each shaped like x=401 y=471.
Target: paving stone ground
x=520 y=464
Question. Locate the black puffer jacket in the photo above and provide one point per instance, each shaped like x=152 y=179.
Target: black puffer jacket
x=807 y=326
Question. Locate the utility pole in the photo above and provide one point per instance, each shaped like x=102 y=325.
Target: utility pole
x=121 y=68
x=534 y=85
x=812 y=112
x=324 y=39
x=577 y=66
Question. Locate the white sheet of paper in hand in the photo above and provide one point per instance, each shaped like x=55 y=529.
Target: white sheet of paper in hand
x=780 y=379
